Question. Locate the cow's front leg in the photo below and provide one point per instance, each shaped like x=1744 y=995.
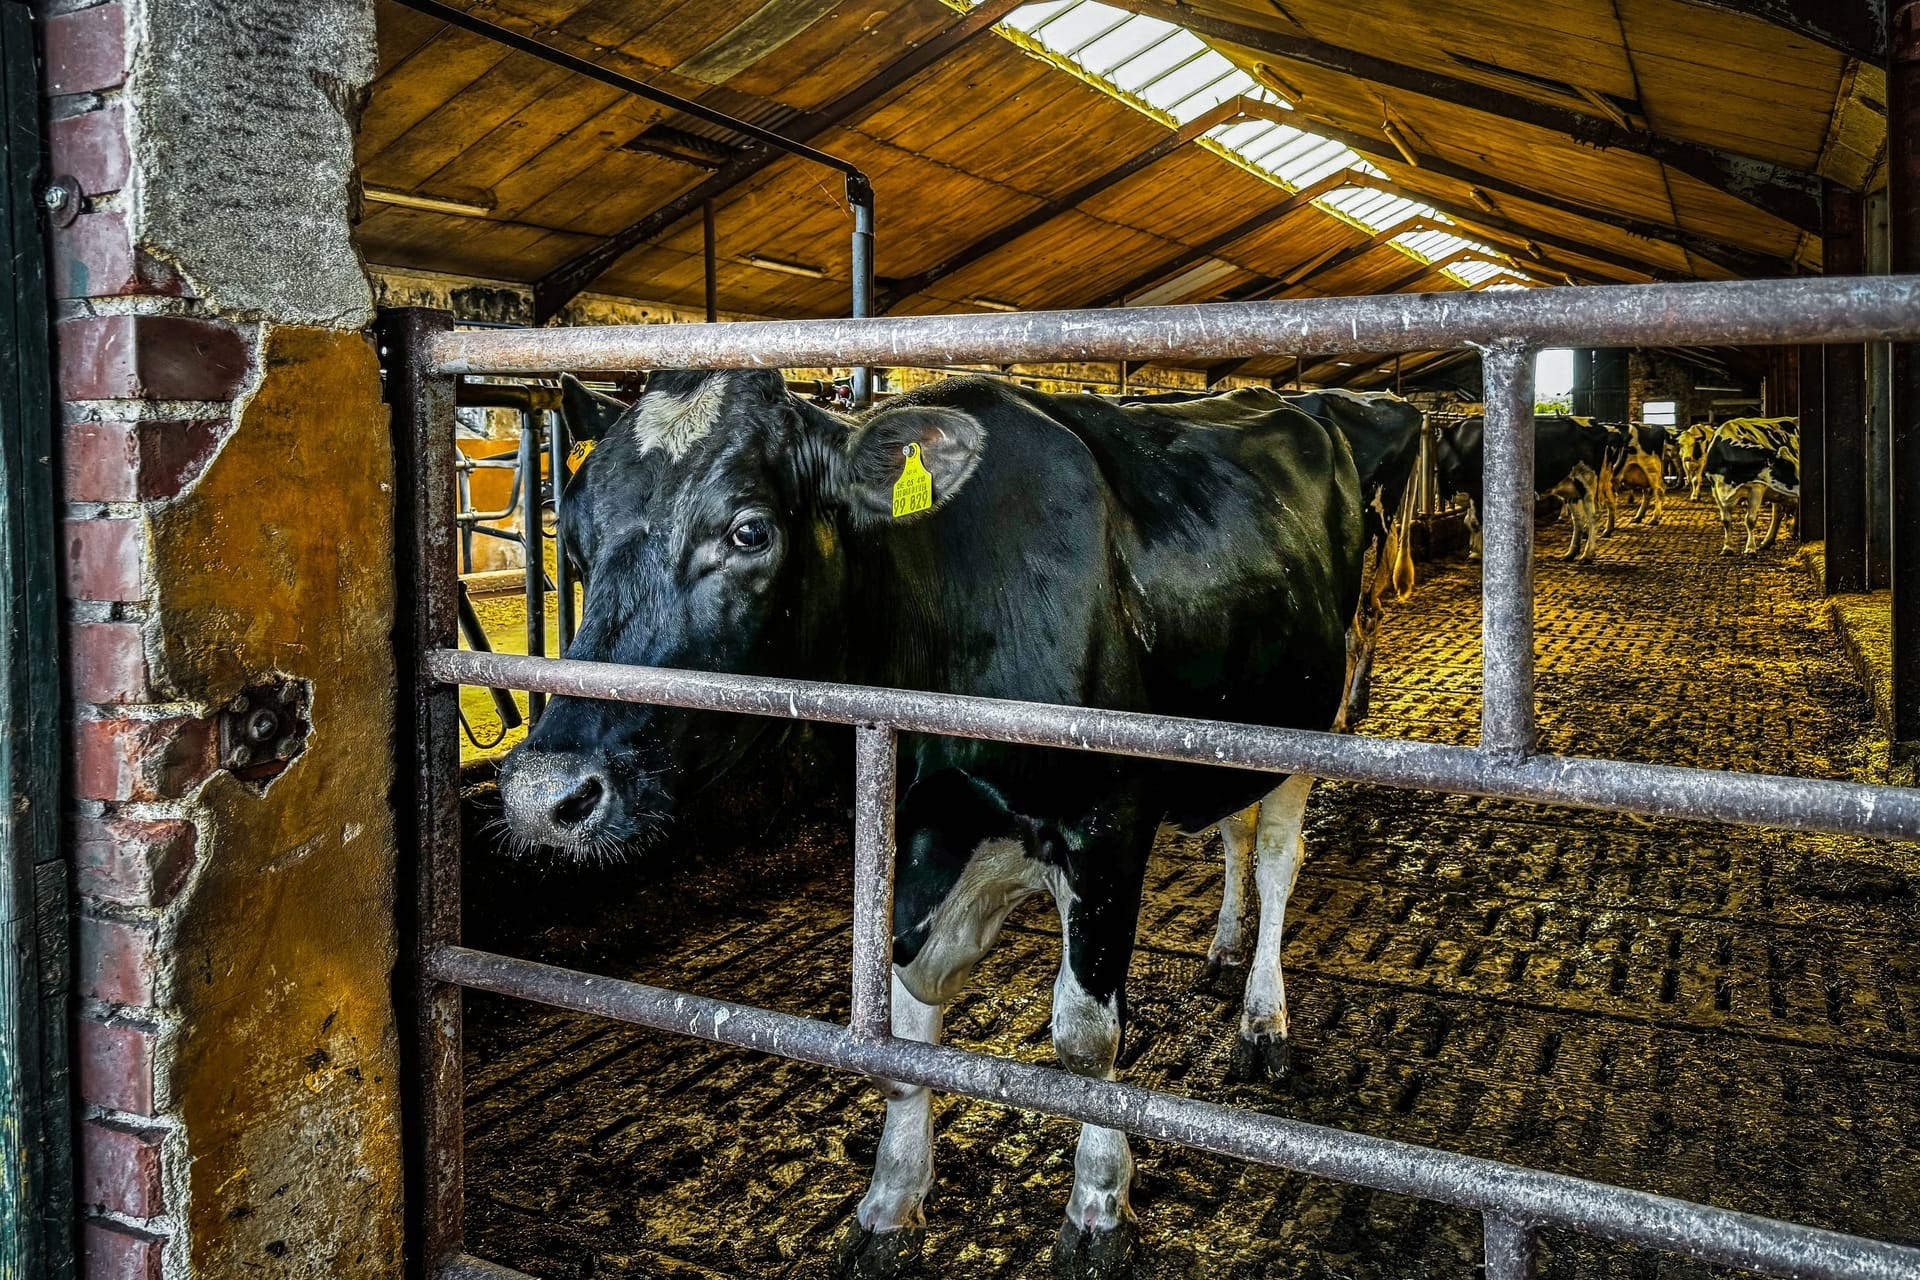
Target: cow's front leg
x=1224 y=959
x=1097 y=926
x=1723 y=501
x=1281 y=849
x=888 y=1229
x=1753 y=518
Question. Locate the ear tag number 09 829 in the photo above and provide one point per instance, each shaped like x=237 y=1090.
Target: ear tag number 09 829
x=913 y=491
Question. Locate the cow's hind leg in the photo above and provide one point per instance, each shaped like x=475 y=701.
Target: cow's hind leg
x=1226 y=964
x=889 y=1227
x=1281 y=849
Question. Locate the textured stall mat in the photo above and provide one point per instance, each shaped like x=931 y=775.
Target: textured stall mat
x=1719 y=1014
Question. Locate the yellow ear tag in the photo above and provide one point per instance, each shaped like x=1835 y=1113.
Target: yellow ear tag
x=913 y=491
x=578 y=454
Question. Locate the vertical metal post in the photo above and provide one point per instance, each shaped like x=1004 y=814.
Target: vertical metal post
x=533 y=539
x=709 y=254
x=875 y=762
x=1812 y=524
x=1846 y=418
x=1508 y=1246
x=860 y=196
x=1903 y=226
x=559 y=449
x=1876 y=451
x=1506 y=566
x=427 y=779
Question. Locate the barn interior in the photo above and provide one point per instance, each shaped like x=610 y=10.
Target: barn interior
x=1723 y=1014
x=1647 y=1002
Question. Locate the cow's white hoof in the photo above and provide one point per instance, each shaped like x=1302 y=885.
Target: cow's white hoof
x=861 y=1254
x=1103 y=1253
x=1260 y=1057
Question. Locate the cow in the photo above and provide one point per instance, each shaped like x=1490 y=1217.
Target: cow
x=1569 y=458
x=1692 y=447
x=969 y=537
x=1636 y=460
x=1752 y=461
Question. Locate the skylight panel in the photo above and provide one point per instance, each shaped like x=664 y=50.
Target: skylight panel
x=1307 y=165
x=1079 y=25
x=1123 y=44
x=1233 y=85
x=1029 y=17
x=1190 y=78
x=1238 y=137
x=1177 y=50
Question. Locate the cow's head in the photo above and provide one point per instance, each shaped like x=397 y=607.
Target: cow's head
x=713 y=524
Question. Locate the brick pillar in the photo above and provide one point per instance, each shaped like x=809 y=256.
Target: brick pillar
x=196 y=354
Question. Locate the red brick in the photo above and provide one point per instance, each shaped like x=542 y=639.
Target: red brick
x=136 y=461
x=113 y=1062
x=105 y=559
x=95 y=258
x=131 y=861
x=91 y=148
x=110 y=1251
x=86 y=50
x=107 y=662
x=151 y=357
x=115 y=961
x=142 y=759
x=120 y=1168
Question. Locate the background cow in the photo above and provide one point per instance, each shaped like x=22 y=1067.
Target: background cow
x=1069 y=550
x=1569 y=459
x=1636 y=462
x=1749 y=463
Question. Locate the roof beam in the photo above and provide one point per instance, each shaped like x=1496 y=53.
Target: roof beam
x=1201 y=252
x=565 y=282
x=1338 y=258
x=1855 y=29
x=1789 y=194
x=1217 y=373
x=1733 y=258
x=897 y=291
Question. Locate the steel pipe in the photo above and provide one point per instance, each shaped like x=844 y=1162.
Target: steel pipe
x=1731 y=313
x=1507 y=1247
x=875 y=765
x=1666 y=791
x=1513 y=1193
x=1506 y=532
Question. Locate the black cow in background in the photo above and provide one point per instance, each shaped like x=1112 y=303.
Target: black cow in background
x=1058 y=549
x=1570 y=456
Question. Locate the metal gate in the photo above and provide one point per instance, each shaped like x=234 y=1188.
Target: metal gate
x=425 y=357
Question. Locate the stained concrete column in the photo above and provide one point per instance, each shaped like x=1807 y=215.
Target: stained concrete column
x=1846 y=428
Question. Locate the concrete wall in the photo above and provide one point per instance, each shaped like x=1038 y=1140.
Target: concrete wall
x=228 y=485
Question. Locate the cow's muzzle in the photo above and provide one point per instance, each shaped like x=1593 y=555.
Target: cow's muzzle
x=562 y=801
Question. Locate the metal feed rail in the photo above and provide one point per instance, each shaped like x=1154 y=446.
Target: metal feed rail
x=425 y=355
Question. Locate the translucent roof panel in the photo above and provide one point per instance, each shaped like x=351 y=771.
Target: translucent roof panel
x=1167 y=71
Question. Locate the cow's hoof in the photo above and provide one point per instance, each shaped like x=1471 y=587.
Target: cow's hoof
x=876 y=1255
x=1222 y=977
x=1259 y=1058
x=1108 y=1254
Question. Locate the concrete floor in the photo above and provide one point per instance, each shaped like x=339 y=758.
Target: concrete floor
x=1718 y=1014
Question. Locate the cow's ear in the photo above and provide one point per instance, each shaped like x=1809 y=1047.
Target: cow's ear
x=885 y=456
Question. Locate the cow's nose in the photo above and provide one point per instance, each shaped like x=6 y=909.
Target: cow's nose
x=552 y=798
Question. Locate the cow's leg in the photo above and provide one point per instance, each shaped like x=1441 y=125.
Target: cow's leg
x=1281 y=849
x=1360 y=641
x=1473 y=532
x=889 y=1227
x=1224 y=958
x=1608 y=500
x=1584 y=515
x=1097 y=923
x=1657 y=491
x=1724 y=501
x=1773 y=525
x=1755 y=497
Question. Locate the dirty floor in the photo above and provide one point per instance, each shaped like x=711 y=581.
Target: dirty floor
x=1724 y=1015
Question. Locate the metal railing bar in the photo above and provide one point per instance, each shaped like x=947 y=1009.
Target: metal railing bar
x=1506 y=557
x=1508 y=1247
x=464 y=1266
x=875 y=761
x=1509 y=1192
x=1731 y=313
x=1665 y=791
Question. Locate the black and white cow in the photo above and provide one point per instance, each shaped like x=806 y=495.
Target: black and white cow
x=1076 y=551
x=1636 y=461
x=1569 y=458
x=1749 y=463
x=1691 y=444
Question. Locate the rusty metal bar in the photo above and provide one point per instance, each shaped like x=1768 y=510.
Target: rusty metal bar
x=1616 y=786
x=1511 y=1192
x=533 y=542
x=427 y=783
x=875 y=764
x=1507 y=1246
x=1730 y=313
x=1506 y=574
x=467 y=1267
x=559 y=449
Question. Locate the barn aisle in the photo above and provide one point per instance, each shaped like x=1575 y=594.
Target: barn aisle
x=1715 y=1014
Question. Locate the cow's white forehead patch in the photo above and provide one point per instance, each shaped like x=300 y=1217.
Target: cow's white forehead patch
x=673 y=421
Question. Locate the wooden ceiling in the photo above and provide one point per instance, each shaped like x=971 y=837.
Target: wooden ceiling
x=990 y=133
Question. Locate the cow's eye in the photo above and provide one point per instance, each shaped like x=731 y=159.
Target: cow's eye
x=751 y=534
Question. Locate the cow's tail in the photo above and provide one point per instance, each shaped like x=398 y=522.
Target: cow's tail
x=1400 y=545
